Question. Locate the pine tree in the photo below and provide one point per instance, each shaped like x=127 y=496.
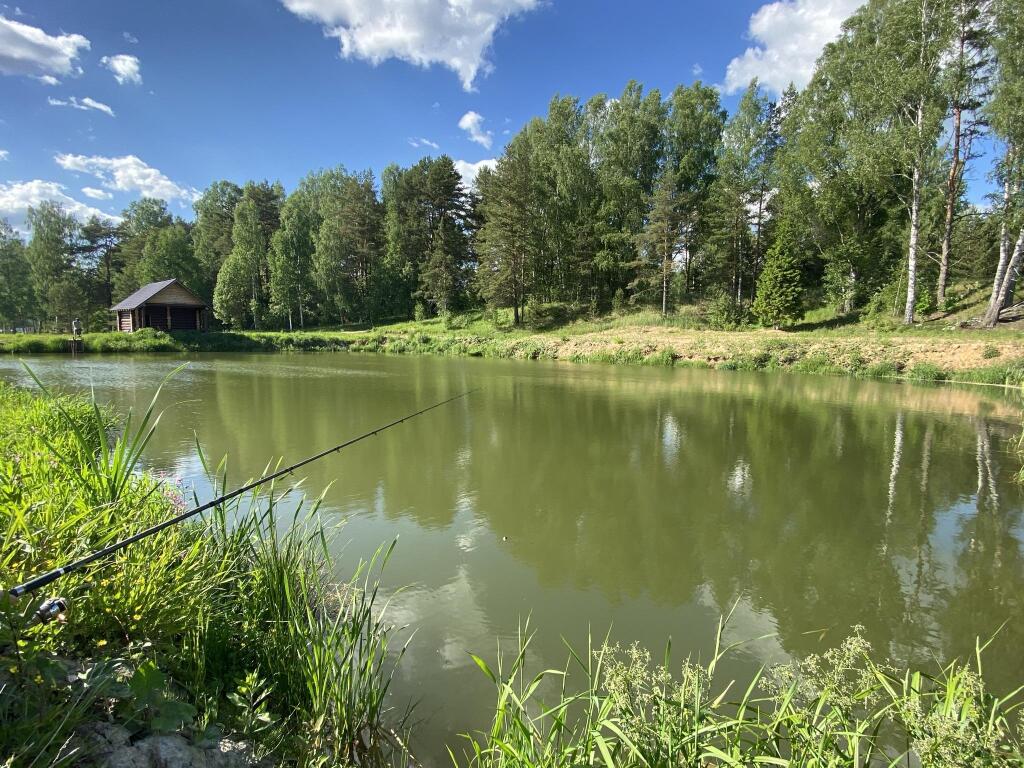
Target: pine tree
x=348 y=248
x=442 y=279
x=508 y=240
x=139 y=219
x=99 y=255
x=659 y=243
x=626 y=137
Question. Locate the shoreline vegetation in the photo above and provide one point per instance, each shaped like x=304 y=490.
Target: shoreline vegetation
x=939 y=350
x=229 y=624
x=226 y=636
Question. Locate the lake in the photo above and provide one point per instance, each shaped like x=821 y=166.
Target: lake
x=642 y=501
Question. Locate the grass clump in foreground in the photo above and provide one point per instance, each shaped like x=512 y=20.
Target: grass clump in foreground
x=837 y=709
x=225 y=625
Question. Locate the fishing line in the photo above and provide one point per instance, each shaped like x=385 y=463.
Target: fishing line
x=50 y=608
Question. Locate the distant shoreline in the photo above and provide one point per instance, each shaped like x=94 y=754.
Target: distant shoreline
x=972 y=357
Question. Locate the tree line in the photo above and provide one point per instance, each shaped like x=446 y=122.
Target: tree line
x=851 y=193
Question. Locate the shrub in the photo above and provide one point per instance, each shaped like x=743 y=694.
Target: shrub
x=885 y=369
x=723 y=312
x=818 y=362
x=926 y=372
x=455 y=322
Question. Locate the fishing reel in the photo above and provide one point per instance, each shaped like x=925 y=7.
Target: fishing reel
x=51 y=609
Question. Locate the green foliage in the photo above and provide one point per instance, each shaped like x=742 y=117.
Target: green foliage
x=347 y=245
x=142 y=219
x=291 y=259
x=242 y=295
x=779 y=287
x=17 y=300
x=618 y=202
x=227 y=620
x=211 y=233
x=509 y=240
x=49 y=254
x=610 y=706
x=926 y=372
x=168 y=253
x=724 y=313
x=885 y=369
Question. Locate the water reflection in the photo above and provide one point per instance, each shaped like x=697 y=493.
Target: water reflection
x=647 y=500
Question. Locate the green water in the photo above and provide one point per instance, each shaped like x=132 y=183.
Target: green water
x=646 y=501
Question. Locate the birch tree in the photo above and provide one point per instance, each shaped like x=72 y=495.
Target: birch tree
x=1006 y=110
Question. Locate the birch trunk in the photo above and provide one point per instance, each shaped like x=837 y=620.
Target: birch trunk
x=1004 y=243
x=992 y=316
x=952 y=188
x=665 y=262
x=915 y=232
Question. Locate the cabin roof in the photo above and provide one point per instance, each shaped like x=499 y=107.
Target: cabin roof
x=147 y=292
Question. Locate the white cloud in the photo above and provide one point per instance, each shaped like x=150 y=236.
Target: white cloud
x=27 y=50
x=96 y=194
x=468 y=171
x=4 y=154
x=455 y=33
x=789 y=37
x=129 y=37
x=697 y=70
x=47 y=79
x=124 y=67
x=127 y=174
x=421 y=142
x=86 y=104
x=17 y=196
x=473 y=124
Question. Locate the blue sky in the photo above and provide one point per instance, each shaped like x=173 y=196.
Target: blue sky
x=102 y=102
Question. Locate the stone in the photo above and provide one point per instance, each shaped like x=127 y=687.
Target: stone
x=175 y=751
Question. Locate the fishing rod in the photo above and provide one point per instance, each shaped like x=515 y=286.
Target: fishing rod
x=56 y=606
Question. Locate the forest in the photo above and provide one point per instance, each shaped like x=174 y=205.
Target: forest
x=851 y=194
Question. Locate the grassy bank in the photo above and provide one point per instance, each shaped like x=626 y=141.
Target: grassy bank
x=934 y=351
x=227 y=625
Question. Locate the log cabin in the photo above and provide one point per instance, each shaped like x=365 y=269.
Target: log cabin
x=167 y=306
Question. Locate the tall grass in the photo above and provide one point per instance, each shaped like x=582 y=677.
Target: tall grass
x=229 y=624
x=613 y=707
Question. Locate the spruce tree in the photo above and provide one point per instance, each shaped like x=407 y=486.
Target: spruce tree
x=779 y=298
